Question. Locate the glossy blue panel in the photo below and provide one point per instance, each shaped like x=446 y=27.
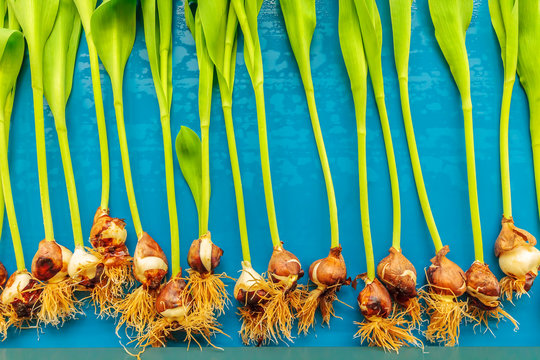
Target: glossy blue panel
x=301 y=202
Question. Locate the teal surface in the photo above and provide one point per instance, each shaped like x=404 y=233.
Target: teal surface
x=297 y=178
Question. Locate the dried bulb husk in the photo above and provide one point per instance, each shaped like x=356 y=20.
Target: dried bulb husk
x=444 y=276
x=329 y=274
x=3 y=275
x=284 y=268
x=108 y=236
x=149 y=262
x=204 y=256
x=85 y=269
x=399 y=276
x=518 y=257
x=47 y=261
x=21 y=297
x=380 y=327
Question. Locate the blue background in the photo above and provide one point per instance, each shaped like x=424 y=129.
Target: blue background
x=301 y=202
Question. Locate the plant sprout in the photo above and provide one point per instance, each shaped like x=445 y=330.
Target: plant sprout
x=19 y=301
x=269 y=317
x=205 y=286
x=113 y=28
x=174 y=304
x=300 y=21
x=361 y=40
x=50 y=263
x=451 y=21
x=108 y=234
x=518 y=257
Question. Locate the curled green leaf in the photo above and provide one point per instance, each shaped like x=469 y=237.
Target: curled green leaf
x=188 y=151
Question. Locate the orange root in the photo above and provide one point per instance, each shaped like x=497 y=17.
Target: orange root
x=58 y=303
x=511 y=285
x=136 y=310
x=481 y=317
x=389 y=333
x=208 y=292
x=106 y=295
x=446 y=313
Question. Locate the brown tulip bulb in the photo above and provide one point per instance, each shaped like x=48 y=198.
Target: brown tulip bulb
x=108 y=236
x=516 y=252
x=3 y=275
x=149 y=262
x=171 y=301
x=374 y=300
x=247 y=290
x=22 y=294
x=483 y=287
x=398 y=275
x=329 y=271
x=50 y=261
x=284 y=267
x=85 y=268
x=203 y=255
x=444 y=276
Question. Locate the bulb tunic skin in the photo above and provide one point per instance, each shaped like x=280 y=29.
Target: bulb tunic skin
x=483 y=287
x=22 y=294
x=444 y=276
x=108 y=237
x=47 y=261
x=3 y=275
x=374 y=300
x=284 y=267
x=329 y=271
x=171 y=303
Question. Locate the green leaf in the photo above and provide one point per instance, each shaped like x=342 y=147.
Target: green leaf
x=371 y=29
x=350 y=39
x=300 y=21
x=214 y=16
x=253 y=57
x=190 y=17
x=529 y=48
x=11 y=57
x=400 y=13
x=113 y=25
x=505 y=20
x=451 y=20
x=36 y=18
x=59 y=57
x=86 y=9
x=151 y=36
x=3 y=13
x=188 y=151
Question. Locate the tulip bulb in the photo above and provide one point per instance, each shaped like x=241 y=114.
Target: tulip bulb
x=85 y=268
x=374 y=300
x=247 y=289
x=203 y=255
x=482 y=286
x=149 y=262
x=50 y=261
x=108 y=236
x=517 y=255
x=329 y=271
x=172 y=303
x=444 y=276
x=3 y=275
x=398 y=275
x=21 y=294
x=284 y=267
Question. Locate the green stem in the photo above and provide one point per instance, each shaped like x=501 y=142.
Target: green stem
x=317 y=132
x=100 y=119
x=505 y=163
x=70 y=181
x=392 y=170
x=171 y=197
x=7 y=194
x=534 y=109
x=415 y=161
x=237 y=179
x=359 y=97
x=119 y=111
x=471 y=179
x=265 y=164
x=36 y=69
x=205 y=169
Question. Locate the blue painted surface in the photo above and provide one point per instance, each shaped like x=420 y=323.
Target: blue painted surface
x=298 y=183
